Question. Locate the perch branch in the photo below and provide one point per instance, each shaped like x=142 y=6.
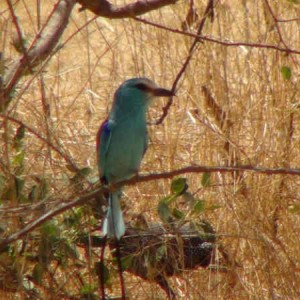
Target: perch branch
x=143 y=178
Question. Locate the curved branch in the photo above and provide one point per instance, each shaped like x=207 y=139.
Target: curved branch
x=104 y=8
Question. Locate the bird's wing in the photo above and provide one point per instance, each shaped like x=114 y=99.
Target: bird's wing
x=102 y=143
x=146 y=142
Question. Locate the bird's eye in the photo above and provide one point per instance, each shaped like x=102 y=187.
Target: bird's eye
x=143 y=87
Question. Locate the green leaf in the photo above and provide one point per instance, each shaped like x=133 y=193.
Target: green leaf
x=87 y=290
x=50 y=229
x=205 y=181
x=286 y=72
x=294 y=209
x=37 y=273
x=199 y=207
x=17 y=140
x=38 y=192
x=126 y=262
x=169 y=199
x=67 y=250
x=160 y=252
x=85 y=171
x=20 y=133
x=18 y=159
x=189 y=199
x=19 y=185
x=164 y=212
x=178 y=214
x=178 y=185
x=74 y=217
x=12 y=190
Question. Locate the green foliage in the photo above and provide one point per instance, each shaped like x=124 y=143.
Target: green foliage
x=79 y=177
x=160 y=252
x=286 y=72
x=178 y=185
x=164 y=212
x=74 y=217
x=193 y=206
x=205 y=230
x=50 y=230
x=38 y=191
x=199 y=207
x=126 y=261
x=205 y=181
x=178 y=214
x=12 y=190
x=18 y=138
x=12 y=186
x=87 y=291
x=55 y=244
x=37 y=273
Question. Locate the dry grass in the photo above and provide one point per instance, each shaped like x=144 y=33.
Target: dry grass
x=257 y=228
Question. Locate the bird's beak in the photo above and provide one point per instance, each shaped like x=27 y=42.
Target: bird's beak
x=160 y=92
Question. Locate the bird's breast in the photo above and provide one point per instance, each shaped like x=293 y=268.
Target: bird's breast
x=127 y=146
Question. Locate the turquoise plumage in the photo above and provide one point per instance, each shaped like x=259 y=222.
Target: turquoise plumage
x=122 y=141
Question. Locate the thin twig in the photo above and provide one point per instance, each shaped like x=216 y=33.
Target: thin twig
x=218 y=41
x=278 y=27
x=208 y=12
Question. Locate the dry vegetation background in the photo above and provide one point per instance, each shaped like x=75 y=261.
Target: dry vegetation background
x=258 y=220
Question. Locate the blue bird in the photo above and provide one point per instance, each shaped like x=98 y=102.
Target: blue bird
x=122 y=141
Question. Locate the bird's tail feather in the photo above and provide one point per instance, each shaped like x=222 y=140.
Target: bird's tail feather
x=113 y=225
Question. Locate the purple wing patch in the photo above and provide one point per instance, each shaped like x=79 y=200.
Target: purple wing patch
x=103 y=128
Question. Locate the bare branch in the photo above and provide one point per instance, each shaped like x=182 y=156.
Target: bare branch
x=288 y=20
x=144 y=178
x=277 y=26
x=218 y=41
x=104 y=8
x=41 y=48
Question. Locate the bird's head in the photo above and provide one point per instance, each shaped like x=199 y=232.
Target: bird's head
x=139 y=91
